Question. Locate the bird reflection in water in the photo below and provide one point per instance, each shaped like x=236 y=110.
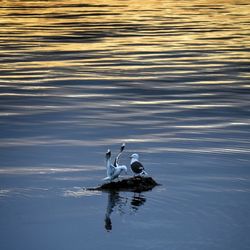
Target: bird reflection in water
x=122 y=204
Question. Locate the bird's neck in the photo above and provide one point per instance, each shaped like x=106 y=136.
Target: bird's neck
x=108 y=162
x=133 y=160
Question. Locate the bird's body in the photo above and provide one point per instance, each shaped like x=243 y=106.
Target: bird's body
x=136 y=167
x=114 y=172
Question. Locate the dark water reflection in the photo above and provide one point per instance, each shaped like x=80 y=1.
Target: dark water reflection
x=123 y=205
x=169 y=78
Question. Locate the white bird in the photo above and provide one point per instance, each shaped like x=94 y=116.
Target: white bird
x=136 y=167
x=113 y=172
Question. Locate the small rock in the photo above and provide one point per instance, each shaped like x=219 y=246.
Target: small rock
x=133 y=184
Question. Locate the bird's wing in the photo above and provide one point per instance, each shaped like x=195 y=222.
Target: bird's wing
x=137 y=167
x=116 y=162
x=110 y=170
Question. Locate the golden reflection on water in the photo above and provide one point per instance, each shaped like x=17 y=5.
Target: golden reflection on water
x=109 y=35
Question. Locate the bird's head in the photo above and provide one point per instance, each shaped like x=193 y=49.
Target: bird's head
x=108 y=154
x=122 y=147
x=134 y=156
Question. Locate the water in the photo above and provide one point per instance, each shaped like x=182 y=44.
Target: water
x=169 y=78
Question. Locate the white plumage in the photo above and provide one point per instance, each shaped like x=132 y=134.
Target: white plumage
x=113 y=171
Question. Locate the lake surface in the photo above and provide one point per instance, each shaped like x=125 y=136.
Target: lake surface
x=169 y=78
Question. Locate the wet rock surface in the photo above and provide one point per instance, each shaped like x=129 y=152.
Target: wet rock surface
x=133 y=184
